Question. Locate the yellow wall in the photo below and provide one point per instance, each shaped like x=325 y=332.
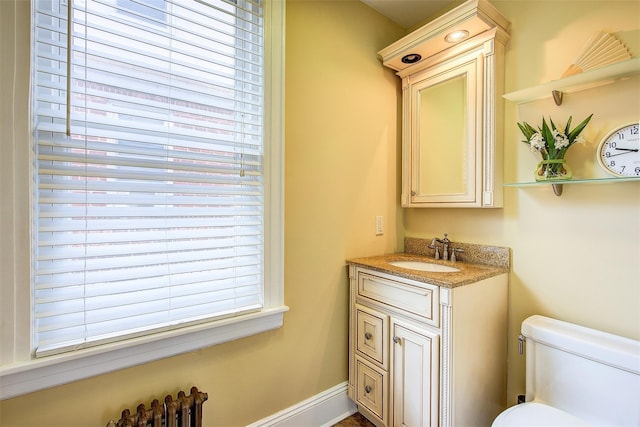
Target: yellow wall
x=341 y=171
x=574 y=257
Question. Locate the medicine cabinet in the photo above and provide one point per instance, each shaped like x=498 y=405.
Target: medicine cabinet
x=452 y=80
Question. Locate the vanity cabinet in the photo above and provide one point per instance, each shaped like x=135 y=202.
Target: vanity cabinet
x=452 y=108
x=421 y=354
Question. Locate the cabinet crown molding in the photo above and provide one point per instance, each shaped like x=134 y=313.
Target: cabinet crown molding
x=474 y=16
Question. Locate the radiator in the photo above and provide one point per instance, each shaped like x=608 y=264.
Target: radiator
x=185 y=411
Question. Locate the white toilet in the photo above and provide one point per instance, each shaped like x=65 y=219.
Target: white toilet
x=576 y=376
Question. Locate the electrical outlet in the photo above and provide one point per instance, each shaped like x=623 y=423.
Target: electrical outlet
x=379 y=225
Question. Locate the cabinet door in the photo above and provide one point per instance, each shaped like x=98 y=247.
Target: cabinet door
x=444 y=140
x=414 y=374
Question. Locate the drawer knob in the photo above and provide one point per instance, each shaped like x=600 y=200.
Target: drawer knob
x=368 y=335
x=367 y=389
x=397 y=340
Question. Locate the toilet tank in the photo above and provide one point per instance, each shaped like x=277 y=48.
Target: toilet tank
x=591 y=374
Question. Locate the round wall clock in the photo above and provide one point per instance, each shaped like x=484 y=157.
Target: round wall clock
x=619 y=151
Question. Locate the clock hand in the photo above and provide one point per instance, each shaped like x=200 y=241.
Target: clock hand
x=635 y=150
x=620 y=154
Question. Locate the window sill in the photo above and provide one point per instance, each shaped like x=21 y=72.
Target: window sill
x=26 y=377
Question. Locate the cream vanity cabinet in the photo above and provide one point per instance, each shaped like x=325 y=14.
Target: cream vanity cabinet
x=452 y=108
x=427 y=355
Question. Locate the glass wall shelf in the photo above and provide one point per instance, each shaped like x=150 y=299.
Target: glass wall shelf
x=588 y=79
x=556 y=88
x=557 y=185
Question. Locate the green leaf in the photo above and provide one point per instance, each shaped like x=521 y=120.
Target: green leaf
x=527 y=130
x=548 y=138
x=524 y=130
x=568 y=126
x=574 y=133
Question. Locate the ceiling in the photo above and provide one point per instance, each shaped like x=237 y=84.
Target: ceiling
x=408 y=13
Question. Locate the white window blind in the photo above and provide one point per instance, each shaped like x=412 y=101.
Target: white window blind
x=149 y=166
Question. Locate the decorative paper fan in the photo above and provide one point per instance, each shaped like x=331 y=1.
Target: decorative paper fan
x=601 y=49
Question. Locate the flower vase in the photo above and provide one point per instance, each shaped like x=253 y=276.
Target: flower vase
x=553 y=170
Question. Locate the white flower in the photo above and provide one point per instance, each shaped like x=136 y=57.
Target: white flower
x=560 y=139
x=537 y=142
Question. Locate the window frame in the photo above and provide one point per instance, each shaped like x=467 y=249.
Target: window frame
x=21 y=373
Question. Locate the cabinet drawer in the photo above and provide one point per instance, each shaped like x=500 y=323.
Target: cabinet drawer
x=420 y=299
x=372 y=334
x=371 y=389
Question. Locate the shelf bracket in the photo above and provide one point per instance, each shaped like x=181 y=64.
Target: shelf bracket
x=557 y=189
x=557 y=97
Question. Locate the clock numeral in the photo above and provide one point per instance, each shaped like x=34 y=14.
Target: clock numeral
x=612 y=144
x=620 y=135
x=634 y=130
x=612 y=163
x=622 y=170
x=637 y=170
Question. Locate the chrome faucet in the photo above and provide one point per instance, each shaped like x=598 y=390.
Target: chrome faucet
x=445 y=248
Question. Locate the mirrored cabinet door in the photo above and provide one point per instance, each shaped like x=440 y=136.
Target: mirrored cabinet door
x=444 y=129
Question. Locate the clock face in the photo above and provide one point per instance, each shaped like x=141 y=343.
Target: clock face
x=619 y=151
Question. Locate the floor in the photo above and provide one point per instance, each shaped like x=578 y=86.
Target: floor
x=355 y=420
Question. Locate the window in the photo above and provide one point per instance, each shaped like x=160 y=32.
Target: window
x=158 y=181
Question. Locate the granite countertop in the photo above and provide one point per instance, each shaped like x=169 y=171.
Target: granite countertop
x=481 y=262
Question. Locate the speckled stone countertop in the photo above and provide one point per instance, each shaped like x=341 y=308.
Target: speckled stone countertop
x=476 y=263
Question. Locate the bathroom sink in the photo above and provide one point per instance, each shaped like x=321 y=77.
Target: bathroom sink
x=424 y=266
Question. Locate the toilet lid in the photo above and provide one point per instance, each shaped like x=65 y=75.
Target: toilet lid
x=536 y=414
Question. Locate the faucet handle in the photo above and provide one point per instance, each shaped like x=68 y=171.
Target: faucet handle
x=453 y=253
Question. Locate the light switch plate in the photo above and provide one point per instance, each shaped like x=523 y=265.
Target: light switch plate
x=379 y=225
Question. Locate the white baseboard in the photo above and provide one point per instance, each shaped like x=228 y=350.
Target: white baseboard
x=322 y=410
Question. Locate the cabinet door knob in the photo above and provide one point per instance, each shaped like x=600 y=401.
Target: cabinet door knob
x=368 y=335
x=367 y=389
x=397 y=340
